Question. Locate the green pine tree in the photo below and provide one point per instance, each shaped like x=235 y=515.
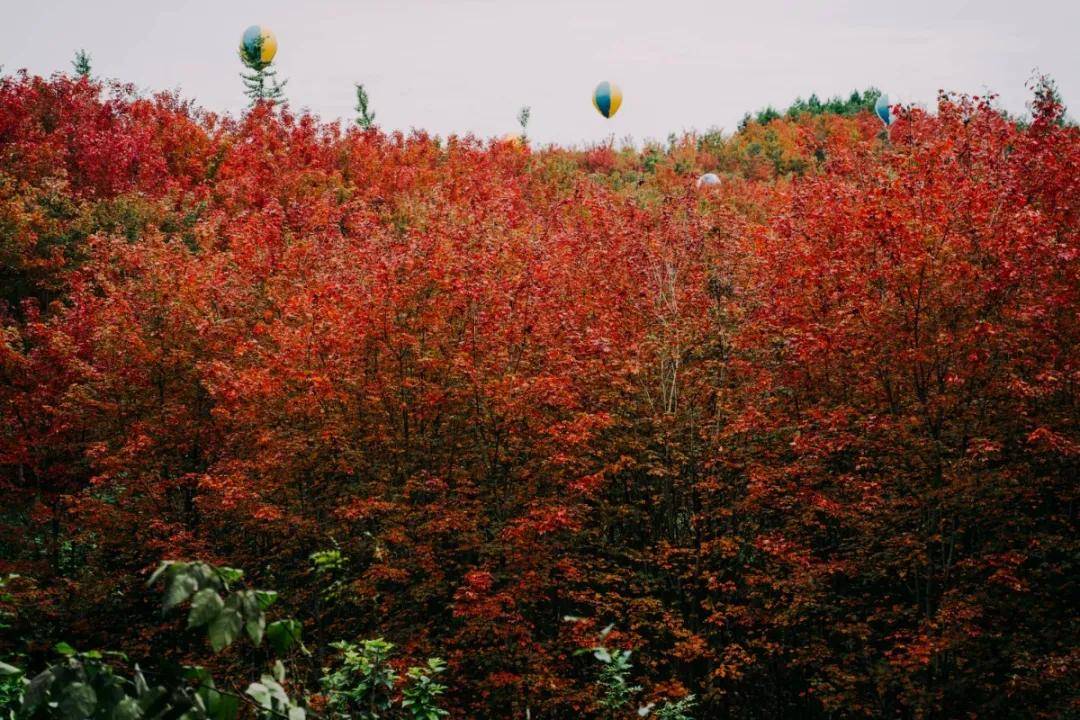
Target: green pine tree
x=261 y=83
x=81 y=63
x=365 y=119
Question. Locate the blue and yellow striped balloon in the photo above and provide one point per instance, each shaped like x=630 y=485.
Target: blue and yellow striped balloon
x=607 y=98
x=259 y=44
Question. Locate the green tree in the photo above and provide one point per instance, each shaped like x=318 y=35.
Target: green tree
x=365 y=117
x=420 y=698
x=362 y=687
x=677 y=709
x=853 y=104
x=614 y=677
x=81 y=63
x=615 y=688
x=329 y=566
x=261 y=83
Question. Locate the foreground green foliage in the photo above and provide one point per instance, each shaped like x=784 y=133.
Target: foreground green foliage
x=421 y=693
x=102 y=685
x=363 y=685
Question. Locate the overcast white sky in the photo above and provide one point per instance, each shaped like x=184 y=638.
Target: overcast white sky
x=468 y=65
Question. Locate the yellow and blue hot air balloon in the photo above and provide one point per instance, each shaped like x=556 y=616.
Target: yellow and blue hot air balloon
x=607 y=98
x=883 y=109
x=259 y=45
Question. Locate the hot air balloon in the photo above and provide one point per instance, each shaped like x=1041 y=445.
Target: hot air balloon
x=708 y=179
x=883 y=110
x=607 y=98
x=259 y=46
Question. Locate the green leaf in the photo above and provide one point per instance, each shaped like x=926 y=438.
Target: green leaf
x=283 y=634
x=78 y=702
x=180 y=589
x=208 y=695
x=276 y=691
x=230 y=575
x=8 y=670
x=297 y=713
x=266 y=598
x=64 y=649
x=204 y=575
x=205 y=607
x=254 y=617
x=225 y=628
x=141 y=688
x=260 y=694
x=198 y=675
x=36 y=692
x=226 y=708
x=127 y=709
x=165 y=565
x=279 y=671
x=255 y=627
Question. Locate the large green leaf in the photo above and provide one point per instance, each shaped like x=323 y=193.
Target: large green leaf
x=205 y=607
x=266 y=598
x=226 y=708
x=78 y=701
x=255 y=627
x=260 y=694
x=283 y=634
x=230 y=575
x=165 y=565
x=180 y=589
x=127 y=709
x=276 y=691
x=7 y=670
x=254 y=617
x=225 y=628
x=37 y=691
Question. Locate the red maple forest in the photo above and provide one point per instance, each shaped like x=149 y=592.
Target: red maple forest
x=808 y=437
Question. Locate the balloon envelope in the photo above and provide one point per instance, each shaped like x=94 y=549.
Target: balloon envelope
x=883 y=110
x=708 y=179
x=607 y=98
x=258 y=44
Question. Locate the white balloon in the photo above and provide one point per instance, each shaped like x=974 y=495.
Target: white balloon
x=708 y=179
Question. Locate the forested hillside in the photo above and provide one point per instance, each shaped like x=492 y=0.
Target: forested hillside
x=808 y=437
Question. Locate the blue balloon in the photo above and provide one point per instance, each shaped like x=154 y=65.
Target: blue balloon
x=881 y=107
